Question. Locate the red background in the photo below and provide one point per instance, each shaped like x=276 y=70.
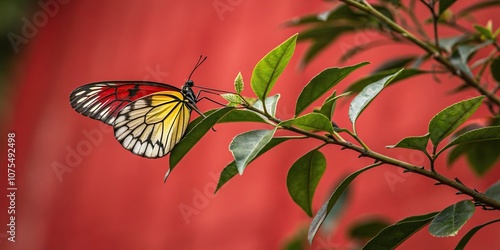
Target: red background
x=113 y=199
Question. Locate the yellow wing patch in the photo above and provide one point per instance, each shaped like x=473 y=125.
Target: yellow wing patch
x=151 y=126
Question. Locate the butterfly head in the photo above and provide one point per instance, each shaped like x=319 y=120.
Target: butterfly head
x=189 y=83
x=188 y=92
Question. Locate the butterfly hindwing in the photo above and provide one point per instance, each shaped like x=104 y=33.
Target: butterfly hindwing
x=104 y=100
x=152 y=125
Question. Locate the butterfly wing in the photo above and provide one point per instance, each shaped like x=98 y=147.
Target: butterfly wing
x=151 y=126
x=104 y=100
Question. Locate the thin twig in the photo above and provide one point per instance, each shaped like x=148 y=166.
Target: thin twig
x=430 y=5
x=418 y=26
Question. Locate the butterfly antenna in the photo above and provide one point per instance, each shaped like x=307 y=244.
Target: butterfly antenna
x=200 y=61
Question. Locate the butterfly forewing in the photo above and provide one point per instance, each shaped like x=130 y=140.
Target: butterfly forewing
x=104 y=100
x=151 y=126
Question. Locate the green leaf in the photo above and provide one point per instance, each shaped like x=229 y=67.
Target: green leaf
x=455 y=153
x=238 y=83
x=322 y=32
x=444 y=5
x=449 y=43
x=418 y=62
x=396 y=63
x=392 y=236
x=461 y=149
x=246 y=146
x=476 y=6
x=481 y=156
x=297 y=241
x=413 y=142
x=461 y=56
x=468 y=235
x=329 y=105
x=322 y=83
x=450 y=118
x=321 y=39
x=233 y=99
x=350 y=52
x=194 y=135
x=495 y=69
x=457 y=61
x=480 y=134
x=494 y=191
x=366 y=96
x=306 y=19
x=360 y=84
x=396 y=3
x=269 y=68
x=340 y=12
x=486 y=33
x=451 y=219
x=271 y=103
x=242 y=115
x=367 y=228
x=331 y=220
x=344 y=12
x=323 y=212
x=198 y=119
x=303 y=178
x=231 y=170
x=385 y=11
x=418 y=217
x=227 y=174
x=465 y=51
x=310 y=122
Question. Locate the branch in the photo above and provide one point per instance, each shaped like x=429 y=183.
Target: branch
x=426 y=47
x=435 y=17
x=478 y=197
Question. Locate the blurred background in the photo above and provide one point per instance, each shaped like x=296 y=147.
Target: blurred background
x=79 y=189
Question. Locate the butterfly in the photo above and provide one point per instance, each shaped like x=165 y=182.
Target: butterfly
x=149 y=118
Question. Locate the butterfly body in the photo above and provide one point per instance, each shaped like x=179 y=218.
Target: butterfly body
x=148 y=118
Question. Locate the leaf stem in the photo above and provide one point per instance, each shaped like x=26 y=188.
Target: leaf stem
x=356 y=137
x=338 y=136
x=434 y=157
x=486 y=63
